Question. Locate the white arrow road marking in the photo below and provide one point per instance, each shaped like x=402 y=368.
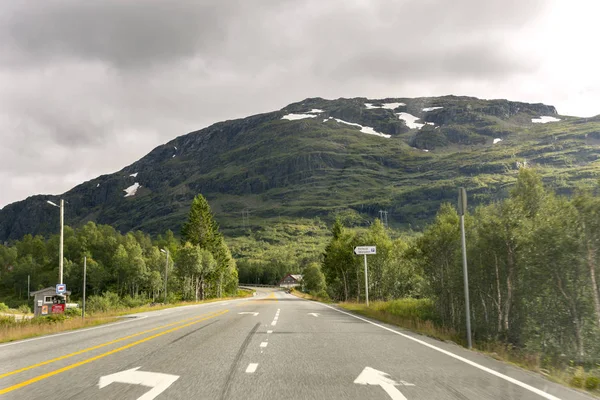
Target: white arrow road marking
x=158 y=382
x=314 y=314
x=247 y=312
x=370 y=376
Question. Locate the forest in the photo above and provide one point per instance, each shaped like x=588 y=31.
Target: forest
x=532 y=262
x=130 y=267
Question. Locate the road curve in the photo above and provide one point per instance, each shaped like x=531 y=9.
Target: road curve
x=271 y=346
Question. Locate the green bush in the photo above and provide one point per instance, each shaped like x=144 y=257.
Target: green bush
x=3 y=307
x=592 y=383
x=7 y=320
x=132 y=302
x=576 y=381
x=322 y=294
x=107 y=302
x=415 y=309
x=53 y=318
x=73 y=312
x=24 y=309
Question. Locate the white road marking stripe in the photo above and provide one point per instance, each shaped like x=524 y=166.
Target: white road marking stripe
x=251 y=368
x=273 y=323
x=264 y=344
x=72 y=332
x=269 y=331
x=446 y=352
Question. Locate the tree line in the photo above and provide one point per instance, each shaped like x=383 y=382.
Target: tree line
x=130 y=265
x=533 y=269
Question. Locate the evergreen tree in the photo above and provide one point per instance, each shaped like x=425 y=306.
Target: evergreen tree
x=201 y=229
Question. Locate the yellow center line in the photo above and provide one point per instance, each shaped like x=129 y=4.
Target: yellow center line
x=30 y=367
x=99 y=356
x=258 y=301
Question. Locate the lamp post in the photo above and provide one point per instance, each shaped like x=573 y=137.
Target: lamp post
x=166 y=271
x=62 y=236
x=462 y=209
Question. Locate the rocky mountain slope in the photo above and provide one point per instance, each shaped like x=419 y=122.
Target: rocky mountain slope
x=319 y=157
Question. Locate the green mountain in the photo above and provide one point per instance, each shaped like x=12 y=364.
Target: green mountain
x=350 y=156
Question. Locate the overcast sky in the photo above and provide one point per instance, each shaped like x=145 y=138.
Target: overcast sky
x=88 y=87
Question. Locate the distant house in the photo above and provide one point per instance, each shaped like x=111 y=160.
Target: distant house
x=291 y=280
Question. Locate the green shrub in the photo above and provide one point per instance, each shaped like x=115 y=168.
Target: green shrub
x=322 y=294
x=592 y=383
x=107 y=302
x=73 y=312
x=7 y=320
x=132 y=302
x=3 y=307
x=24 y=309
x=578 y=378
x=415 y=309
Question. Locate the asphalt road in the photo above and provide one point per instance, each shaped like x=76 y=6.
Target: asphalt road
x=272 y=346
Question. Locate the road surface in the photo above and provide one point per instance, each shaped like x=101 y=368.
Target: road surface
x=272 y=346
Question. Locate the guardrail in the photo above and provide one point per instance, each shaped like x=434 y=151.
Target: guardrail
x=255 y=285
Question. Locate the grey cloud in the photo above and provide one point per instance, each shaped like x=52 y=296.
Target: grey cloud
x=123 y=33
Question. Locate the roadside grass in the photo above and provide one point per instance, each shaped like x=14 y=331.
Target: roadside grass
x=413 y=314
x=309 y=296
x=12 y=329
x=417 y=315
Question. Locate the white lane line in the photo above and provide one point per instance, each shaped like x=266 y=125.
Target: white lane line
x=251 y=368
x=276 y=318
x=264 y=344
x=72 y=332
x=446 y=352
x=269 y=331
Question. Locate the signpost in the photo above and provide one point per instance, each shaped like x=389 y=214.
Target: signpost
x=462 y=208
x=366 y=250
x=61 y=288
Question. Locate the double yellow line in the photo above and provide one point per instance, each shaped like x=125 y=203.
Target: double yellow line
x=194 y=320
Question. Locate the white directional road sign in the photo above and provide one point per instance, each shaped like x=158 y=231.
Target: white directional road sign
x=371 y=376
x=359 y=250
x=158 y=382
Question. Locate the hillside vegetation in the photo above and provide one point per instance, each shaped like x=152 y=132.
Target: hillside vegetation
x=264 y=172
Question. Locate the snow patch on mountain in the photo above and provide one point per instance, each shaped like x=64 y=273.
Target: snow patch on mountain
x=134 y=175
x=497 y=140
x=431 y=108
x=316 y=110
x=363 y=129
x=132 y=190
x=293 y=117
x=409 y=120
x=544 y=120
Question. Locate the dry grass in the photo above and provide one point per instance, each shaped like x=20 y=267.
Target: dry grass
x=25 y=329
x=424 y=327
x=307 y=296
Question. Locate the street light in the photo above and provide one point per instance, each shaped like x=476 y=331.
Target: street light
x=62 y=235
x=166 y=271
